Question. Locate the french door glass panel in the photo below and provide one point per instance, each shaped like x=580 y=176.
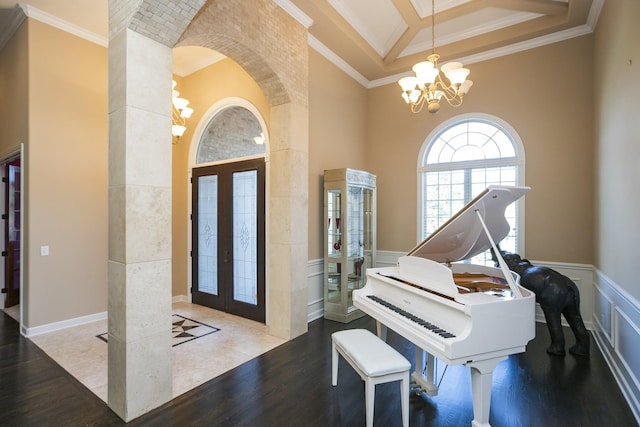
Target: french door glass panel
x=208 y=234
x=245 y=230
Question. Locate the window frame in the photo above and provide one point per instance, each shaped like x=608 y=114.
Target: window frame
x=519 y=163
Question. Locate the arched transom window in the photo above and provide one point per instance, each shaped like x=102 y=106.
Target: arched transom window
x=459 y=160
x=233 y=132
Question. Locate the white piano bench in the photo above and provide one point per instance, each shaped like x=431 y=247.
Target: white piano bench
x=375 y=361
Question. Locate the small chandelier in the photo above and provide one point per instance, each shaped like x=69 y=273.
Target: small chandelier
x=181 y=112
x=427 y=86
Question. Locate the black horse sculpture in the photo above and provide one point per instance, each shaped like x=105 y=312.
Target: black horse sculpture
x=556 y=294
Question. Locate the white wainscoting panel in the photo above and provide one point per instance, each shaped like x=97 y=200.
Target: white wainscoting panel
x=315 y=290
x=388 y=258
x=617 y=333
x=603 y=314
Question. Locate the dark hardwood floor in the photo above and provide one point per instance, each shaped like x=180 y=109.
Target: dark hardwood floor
x=291 y=386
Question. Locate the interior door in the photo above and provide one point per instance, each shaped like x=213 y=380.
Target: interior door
x=11 y=217
x=228 y=253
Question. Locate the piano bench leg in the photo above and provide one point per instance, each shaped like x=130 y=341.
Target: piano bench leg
x=375 y=362
x=334 y=365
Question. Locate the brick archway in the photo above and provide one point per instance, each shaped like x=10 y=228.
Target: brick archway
x=272 y=47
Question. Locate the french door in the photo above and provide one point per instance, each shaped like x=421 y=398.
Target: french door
x=11 y=215
x=228 y=244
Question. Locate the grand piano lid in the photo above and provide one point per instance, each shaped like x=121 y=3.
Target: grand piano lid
x=463 y=236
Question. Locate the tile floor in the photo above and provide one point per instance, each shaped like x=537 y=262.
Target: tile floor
x=81 y=353
x=14 y=312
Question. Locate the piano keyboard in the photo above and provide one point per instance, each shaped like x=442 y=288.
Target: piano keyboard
x=429 y=326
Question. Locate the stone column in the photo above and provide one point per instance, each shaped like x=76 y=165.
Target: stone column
x=288 y=221
x=140 y=361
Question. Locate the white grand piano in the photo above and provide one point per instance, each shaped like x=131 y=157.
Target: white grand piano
x=457 y=312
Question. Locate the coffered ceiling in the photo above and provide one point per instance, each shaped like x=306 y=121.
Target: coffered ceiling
x=375 y=41
x=382 y=38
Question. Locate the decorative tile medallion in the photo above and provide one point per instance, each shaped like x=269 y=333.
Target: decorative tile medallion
x=182 y=330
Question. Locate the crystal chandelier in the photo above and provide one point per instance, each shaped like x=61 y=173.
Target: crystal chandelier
x=428 y=86
x=181 y=112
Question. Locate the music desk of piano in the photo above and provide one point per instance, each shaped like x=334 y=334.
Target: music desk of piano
x=457 y=312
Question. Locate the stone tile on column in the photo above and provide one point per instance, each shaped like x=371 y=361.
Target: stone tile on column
x=289 y=128
x=117 y=73
x=299 y=312
x=148 y=143
x=116 y=301
x=148 y=224
x=116 y=376
x=117 y=146
x=280 y=220
x=148 y=299
x=289 y=174
x=279 y=313
x=117 y=223
x=148 y=377
x=147 y=87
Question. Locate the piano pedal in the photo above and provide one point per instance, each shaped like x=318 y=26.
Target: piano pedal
x=415 y=388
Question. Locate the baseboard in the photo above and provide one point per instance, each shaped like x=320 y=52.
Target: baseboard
x=180 y=298
x=77 y=321
x=56 y=326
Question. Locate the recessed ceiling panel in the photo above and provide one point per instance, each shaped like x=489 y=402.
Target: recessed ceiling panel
x=465 y=27
x=377 y=21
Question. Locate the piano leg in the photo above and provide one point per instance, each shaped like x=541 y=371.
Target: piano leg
x=425 y=381
x=481 y=380
x=381 y=330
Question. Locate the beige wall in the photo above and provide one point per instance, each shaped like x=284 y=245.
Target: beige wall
x=66 y=170
x=203 y=89
x=337 y=134
x=13 y=92
x=617 y=143
x=545 y=95
x=14 y=106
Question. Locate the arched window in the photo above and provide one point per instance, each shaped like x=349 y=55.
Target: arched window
x=233 y=132
x=461 y=158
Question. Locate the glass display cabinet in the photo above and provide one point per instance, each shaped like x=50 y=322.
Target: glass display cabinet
x=349 y=239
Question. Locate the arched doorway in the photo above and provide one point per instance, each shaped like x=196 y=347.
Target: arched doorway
x=241 y=31
x=228 y=167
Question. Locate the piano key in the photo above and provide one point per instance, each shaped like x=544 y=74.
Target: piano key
x=427 y=325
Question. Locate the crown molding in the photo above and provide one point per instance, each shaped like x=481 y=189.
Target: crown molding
x=63 y=25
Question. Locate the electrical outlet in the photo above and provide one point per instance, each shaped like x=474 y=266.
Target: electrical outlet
x=44 y=250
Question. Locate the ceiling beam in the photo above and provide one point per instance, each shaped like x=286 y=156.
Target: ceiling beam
x=543 y=7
